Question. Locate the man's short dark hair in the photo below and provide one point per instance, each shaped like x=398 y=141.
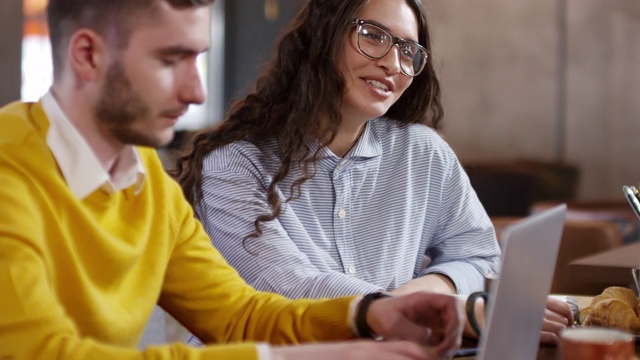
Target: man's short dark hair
x=66 y=16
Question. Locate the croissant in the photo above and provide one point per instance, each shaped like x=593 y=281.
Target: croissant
x=612 y=312
x=584 y=313
x=622 y=293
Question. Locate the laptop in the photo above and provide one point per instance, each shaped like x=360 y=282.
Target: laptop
x=519 y=297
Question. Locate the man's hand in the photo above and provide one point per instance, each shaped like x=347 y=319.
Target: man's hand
x=431 y=319
x=354 y=350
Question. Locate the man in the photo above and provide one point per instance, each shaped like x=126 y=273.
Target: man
x=93 y=233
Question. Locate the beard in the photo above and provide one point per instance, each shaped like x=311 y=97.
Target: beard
x=120 y=108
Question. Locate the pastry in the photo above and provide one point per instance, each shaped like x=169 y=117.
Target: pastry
x=622 y=293
x=613 y=313
x=615 y=307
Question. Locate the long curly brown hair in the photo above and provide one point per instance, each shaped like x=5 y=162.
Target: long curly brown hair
x=298 y=97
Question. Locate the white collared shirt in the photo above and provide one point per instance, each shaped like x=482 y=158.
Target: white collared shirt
x=361 y=224
x=79 y=164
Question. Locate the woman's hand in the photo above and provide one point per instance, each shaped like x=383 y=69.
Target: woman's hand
x=557 y=317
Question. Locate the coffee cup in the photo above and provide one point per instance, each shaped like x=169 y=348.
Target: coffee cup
x=490 y=281
x=596 y=343
x=472 y=314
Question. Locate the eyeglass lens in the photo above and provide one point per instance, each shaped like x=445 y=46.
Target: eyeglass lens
x=376 y=43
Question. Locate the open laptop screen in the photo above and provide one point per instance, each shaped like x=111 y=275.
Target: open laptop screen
x=518 y=299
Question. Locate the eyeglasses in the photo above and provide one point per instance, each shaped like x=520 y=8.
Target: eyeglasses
x=375 y=42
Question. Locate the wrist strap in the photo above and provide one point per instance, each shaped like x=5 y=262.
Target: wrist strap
x=361 y=317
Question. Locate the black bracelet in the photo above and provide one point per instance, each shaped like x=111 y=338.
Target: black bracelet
x=361 y=317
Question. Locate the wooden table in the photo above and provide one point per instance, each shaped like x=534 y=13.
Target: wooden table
x=609 y=268
x=547 y=352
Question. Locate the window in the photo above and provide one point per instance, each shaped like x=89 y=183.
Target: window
x=36 y=51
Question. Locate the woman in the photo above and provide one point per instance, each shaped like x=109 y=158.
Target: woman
x=330 y=177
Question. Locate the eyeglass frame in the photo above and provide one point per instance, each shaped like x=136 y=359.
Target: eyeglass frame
x=395 y=41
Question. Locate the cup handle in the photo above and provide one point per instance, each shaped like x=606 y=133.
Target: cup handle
x=471 y=310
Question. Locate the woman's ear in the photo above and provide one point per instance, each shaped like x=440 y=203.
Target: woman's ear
x=87 y=54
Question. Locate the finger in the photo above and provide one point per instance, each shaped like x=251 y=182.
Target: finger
x=560 y=307
x=552 y=327
x=407 y=329
x=445 y=315
x=454 y=322
x=555 y=317
x=548 y=338
x=426 y=316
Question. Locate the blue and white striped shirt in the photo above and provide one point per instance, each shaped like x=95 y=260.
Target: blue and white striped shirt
x=363 y=223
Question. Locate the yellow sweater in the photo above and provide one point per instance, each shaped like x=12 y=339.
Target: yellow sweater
x=79 y=279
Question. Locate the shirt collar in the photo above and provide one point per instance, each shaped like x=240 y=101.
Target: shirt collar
x=367 y=145
x=80 y=166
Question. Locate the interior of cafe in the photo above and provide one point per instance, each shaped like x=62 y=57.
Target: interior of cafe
x=541 y=104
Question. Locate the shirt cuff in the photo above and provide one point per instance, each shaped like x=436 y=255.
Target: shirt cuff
x=264 y=351
x=465 y=276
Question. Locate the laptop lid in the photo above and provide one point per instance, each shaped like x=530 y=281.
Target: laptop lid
x=519 y=297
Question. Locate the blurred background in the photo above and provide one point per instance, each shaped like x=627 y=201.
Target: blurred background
x=541 y=97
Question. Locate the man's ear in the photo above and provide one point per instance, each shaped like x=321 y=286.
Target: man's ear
x=88 y=54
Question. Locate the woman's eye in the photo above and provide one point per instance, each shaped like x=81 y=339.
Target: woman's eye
x=408 y=52
x=378 y=38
